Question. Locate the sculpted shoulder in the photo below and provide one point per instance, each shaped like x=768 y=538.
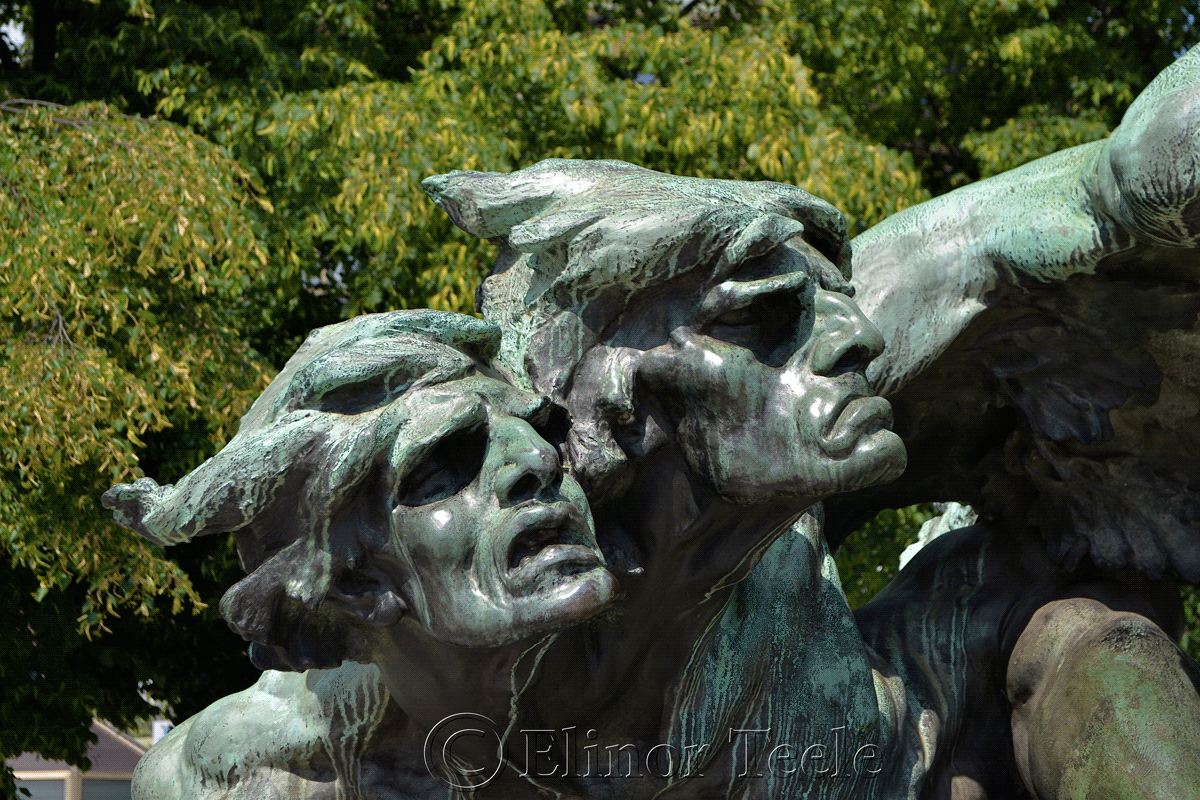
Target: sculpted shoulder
x=1150 y=182
x=289 y=735
x=1131 y=200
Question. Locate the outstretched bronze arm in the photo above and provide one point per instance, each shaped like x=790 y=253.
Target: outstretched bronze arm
x=923 y=274
x=1041 y=351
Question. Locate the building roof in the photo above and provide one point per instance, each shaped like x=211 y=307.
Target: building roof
x=114 y=753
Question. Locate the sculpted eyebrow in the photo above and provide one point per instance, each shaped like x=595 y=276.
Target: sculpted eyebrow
x=370 y=374
x=414 y=447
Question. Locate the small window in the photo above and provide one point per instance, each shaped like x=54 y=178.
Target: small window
x=42 y=790
x=102 y=789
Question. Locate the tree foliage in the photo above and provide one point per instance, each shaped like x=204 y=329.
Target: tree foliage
x=130 y=248
x=975 y=87
x=56 y=677
x=220 y=178
x=870 y=557
x=126 y=289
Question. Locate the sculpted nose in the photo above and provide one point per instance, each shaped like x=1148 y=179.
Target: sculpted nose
x=531 y=464
x=844 y=339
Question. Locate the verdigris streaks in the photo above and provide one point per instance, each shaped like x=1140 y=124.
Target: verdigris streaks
x=581 y=548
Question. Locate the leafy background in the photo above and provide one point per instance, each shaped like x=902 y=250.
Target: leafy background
x=186 y=188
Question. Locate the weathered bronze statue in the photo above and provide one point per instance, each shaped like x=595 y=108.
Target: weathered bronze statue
x=393 y=507
x=1042 y=365
x=691 y=349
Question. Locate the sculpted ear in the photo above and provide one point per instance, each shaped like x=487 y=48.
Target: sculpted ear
x=368 y=595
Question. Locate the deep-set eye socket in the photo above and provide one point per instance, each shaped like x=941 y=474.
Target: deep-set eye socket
x=553 y=424
x=768 y=324
x=447 y=468
x=736 y=318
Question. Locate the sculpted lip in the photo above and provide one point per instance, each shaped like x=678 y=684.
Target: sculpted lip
x=859 y=415
x=548 y=540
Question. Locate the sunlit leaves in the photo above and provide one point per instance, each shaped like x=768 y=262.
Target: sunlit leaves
x=128 y=246
x=278 y=190
x=1027 y=137
x=342 y=167
x=920 y=76
x=722 y=102
x=869 y=559
x=140 y=249
x=143 y=255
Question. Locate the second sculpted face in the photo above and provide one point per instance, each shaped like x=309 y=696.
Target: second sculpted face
x=763 y=381
x=495 y=542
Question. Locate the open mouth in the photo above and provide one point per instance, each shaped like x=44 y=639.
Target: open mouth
x=530 y=544
x=550 y=544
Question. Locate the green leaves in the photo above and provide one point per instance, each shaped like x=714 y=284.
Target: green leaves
x=1031 y=135
x=150 y=262
x=920 y=76
x=128 y=246
x=870 y=557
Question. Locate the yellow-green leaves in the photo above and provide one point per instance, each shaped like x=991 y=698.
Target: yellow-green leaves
x=920 y=76
x=342 y=166
x=128 y=246
x=145 y=257
x=1035 y=133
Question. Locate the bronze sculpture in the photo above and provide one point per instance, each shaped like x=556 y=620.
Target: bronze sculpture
x=714 y=376
x=394 y=507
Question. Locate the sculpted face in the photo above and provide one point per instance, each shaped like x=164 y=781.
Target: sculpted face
x=763 y=381
x=494 y=541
